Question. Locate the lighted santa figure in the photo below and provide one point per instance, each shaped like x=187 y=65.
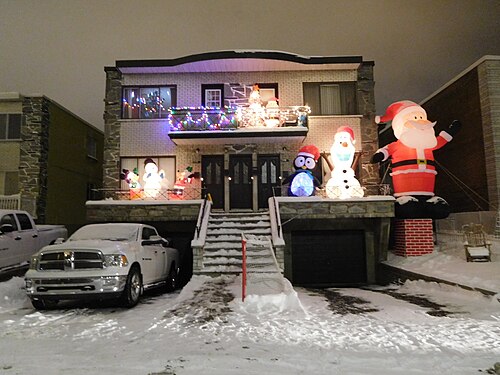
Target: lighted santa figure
x=185 y=178
x=152 y=178
x=412 y=160
x=343 y=183
x=302 y=182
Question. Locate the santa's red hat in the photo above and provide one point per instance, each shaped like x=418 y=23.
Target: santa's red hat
x=346 y=129
x=397 y=110
x=310 y=151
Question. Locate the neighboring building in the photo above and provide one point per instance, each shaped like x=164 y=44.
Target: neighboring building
x=473 y=157
x=196 y=111
x=51 y=159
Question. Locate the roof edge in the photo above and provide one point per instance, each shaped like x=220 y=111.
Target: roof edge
x=239 y=54
x=460 y=75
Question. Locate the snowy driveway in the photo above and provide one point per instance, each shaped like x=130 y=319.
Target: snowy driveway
x=202 y=330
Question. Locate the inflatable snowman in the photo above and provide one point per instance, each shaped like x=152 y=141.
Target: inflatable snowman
x=343 y=183
x=152 y=179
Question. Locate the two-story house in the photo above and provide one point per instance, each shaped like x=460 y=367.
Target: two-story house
x=234 y=121
x=197 y=111
x=51 y=159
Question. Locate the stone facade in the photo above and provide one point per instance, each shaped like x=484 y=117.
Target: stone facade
x=112 y=129
x=34 y=156
x=116 y=211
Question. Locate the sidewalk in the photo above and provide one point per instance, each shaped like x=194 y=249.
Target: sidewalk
x=448 y=264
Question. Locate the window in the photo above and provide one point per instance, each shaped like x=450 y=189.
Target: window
x=24 y=221
x=267 y=92
x=147 y=233
x=10 y=126
x=91 y=147
x=330 y=98
x=9 y=219
x=148 y=102
x=165 y=163
x=212 y=95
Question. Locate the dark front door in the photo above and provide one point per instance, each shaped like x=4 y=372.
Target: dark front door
x=268 y=170
x=328 y=258
x=240 y=185
x=212 y=171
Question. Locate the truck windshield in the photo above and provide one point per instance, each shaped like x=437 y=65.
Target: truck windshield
x=106 y=232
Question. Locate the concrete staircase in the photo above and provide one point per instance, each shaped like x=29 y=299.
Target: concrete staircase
x=222 y=253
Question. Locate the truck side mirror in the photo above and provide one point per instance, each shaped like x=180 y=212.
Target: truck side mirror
x=6 y=228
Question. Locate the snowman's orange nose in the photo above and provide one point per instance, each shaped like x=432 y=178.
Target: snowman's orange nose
x=344 y=144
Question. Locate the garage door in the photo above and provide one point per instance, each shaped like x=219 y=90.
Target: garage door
x=328 y=258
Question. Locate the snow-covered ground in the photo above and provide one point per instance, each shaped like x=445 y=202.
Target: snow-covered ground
x=414 y=328
x=448 y=262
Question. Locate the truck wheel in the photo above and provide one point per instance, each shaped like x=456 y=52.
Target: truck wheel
x=41 y=304
x=133 y=288
x=171 y=279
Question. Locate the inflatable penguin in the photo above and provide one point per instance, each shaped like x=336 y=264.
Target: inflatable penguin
x=302 y=183
x=343 y=183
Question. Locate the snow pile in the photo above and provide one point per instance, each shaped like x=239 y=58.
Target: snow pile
x=12 y=295
x=268 y=294
x=448 y=262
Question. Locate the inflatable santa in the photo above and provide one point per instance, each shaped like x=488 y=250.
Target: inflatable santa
x=343 y=183
x=412 y=160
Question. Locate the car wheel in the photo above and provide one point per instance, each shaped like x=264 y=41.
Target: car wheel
x=133 y=288
x=42 y=304
x=171 y=279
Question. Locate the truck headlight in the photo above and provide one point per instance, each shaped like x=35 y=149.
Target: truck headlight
x=34 y=262
x=115 y=260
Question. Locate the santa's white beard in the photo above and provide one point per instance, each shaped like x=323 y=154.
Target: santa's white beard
x=421 y=139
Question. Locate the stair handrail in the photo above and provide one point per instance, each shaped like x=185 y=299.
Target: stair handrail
x=276 y=228
x=202 y=223
x=243 y=267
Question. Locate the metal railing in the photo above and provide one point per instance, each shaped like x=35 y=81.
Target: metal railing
x=206 y=119
x=243 y=267
x=10 y=202
x=189 y=193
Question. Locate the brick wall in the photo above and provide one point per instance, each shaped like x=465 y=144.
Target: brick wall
x=413 y=237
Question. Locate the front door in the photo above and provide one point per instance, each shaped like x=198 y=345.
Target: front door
x=240 y=184
x=268 y=172
x=212 y=172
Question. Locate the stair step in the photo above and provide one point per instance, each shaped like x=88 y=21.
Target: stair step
x=236 y=231
x=239 y=225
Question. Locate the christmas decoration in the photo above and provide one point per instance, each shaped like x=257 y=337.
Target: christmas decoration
x=343 y=184
x=185 y=178
x=302 y=183
x=412 y=160
x=132 y=179
x=152 y=178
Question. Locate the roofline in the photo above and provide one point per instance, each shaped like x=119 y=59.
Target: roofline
x=16 y=96
x=460 y=75
x=240 y=54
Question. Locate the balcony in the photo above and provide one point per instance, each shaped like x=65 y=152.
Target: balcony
x=237 y=125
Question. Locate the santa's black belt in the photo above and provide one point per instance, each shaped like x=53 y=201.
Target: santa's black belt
x=413 y=162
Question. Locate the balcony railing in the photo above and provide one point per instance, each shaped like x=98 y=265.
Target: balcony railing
x=187 y=193
x=203 y=119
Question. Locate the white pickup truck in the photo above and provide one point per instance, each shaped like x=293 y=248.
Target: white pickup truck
x=20 y=238
x=102 y=261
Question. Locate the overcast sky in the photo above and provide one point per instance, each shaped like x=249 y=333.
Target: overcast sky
x=59 y=48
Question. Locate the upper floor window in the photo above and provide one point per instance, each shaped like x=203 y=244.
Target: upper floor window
x=334 y=98
x=148 y=102
x=10 y=126
x=212 y=95
x=91 y=147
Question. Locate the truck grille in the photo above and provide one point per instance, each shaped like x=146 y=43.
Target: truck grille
x=71 y=260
